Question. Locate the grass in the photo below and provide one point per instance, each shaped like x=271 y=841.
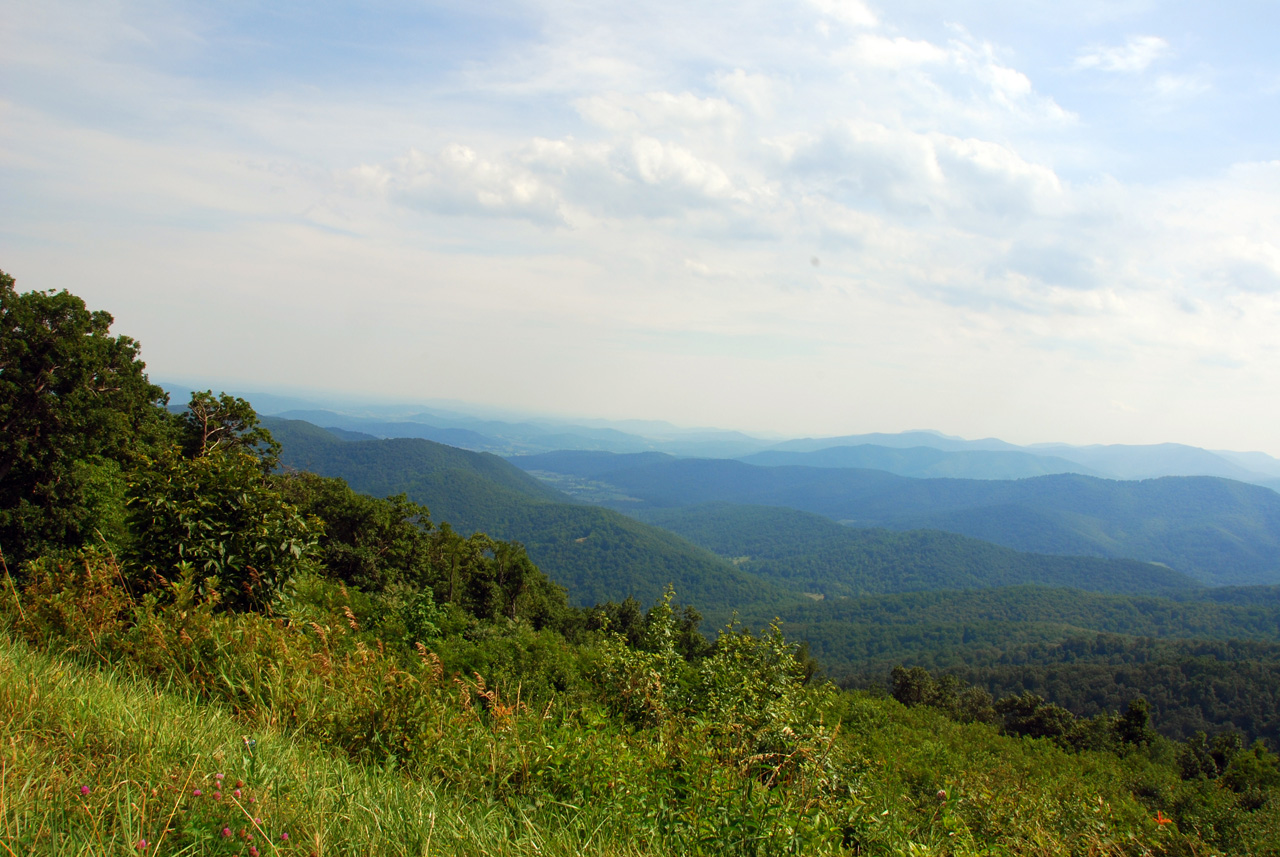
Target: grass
x=142 y=753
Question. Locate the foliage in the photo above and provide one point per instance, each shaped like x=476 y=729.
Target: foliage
x=75 y=408
x=368 y=543
x=219 y=518
x=222 y=423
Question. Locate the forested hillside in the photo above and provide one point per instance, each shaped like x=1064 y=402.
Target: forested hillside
x=597 y=553
x=1218 y=531
x=815 y=554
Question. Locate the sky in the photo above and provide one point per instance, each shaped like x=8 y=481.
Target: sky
x=1038 y=221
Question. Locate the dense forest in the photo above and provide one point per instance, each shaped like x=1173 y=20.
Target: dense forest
x=808 y=551
x=204 y=652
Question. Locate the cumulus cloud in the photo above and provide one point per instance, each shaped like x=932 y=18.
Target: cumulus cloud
x=1134 y=56
x=869 y=164
x=760 y=93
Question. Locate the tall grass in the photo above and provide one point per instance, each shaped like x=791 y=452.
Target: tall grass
x=142 y=754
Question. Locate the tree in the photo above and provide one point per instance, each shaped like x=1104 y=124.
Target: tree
x=76 y=409
x=367 y=542
x=225 y=422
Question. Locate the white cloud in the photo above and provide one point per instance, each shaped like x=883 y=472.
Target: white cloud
x=458 y=180
x=682 y=112
x=758 y=92
x=1135 y=55
x=895 y=53
x=854 y=13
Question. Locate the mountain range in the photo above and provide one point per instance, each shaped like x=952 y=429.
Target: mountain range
x=920 y=454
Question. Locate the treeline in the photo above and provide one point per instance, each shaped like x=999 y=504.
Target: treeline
x=1191 y=686
x=949 y=629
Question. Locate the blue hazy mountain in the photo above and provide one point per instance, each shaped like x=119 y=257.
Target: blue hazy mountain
x=1216 y=530
x=925 y=462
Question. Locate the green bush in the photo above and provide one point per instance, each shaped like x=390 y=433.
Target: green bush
x=220 y=518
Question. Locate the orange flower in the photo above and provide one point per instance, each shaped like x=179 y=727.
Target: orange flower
x=1160 y=819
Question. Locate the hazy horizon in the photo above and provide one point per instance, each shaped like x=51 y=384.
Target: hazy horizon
x=1030 y=221
x=395 y=408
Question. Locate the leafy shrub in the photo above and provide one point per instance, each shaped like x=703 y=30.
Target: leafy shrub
x=218 y=516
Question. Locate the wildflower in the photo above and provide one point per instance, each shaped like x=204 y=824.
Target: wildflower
x=219 y=777
x=284 y=837
x=1160 y=818
x=217 y=795
x=142 y=844
x=258 y=821
x=84 y=790
x=226 y=833
x=239 y=784
x=196 y=793
x=253 y=851
x=942 y=794
x=236 y=793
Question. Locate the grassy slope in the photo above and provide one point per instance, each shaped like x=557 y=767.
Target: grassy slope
x=142 y=752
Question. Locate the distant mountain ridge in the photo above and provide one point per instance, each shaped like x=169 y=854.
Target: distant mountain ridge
x=1219 y=531
x=508 y=434
x=926 y=462
x=603 y=555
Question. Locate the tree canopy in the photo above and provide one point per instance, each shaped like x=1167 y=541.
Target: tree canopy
x=75 y=405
